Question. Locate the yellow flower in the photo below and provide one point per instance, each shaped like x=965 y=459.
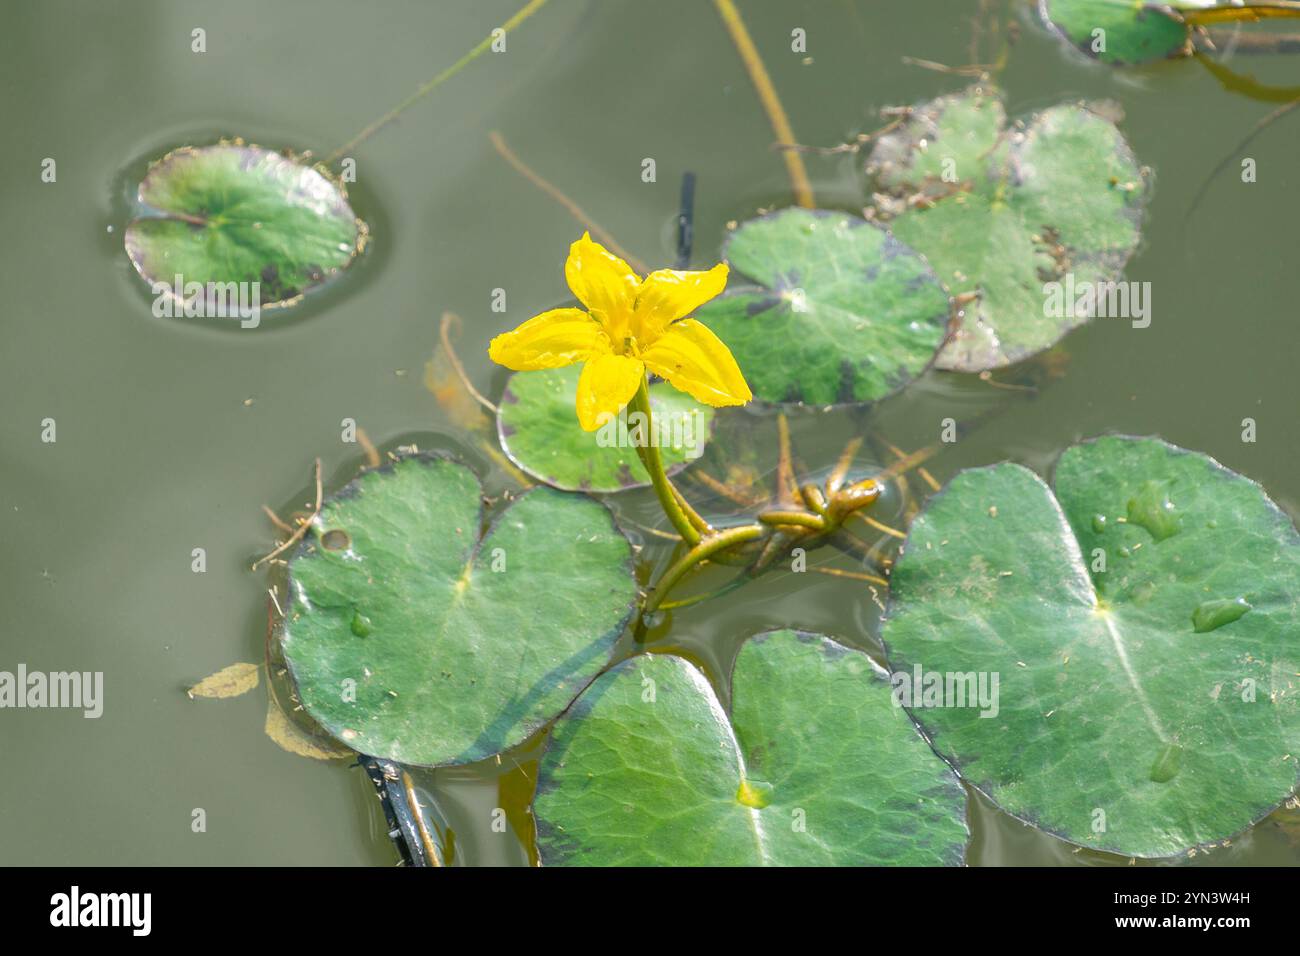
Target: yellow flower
x=630 y=325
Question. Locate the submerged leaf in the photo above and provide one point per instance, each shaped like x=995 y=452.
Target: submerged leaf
x=1003 y=213
x=460 y=407
x=540 y=433
x=412 y=638
x=816 y=765
x=1126 y=722
x=228 y=682
x=289 y=736
x=1121 y=32
x=841 y=313
x=240 y=214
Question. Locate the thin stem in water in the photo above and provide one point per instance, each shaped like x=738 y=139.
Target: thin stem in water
x=520 y=16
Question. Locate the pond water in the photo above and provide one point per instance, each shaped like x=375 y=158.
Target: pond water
x=172 y=434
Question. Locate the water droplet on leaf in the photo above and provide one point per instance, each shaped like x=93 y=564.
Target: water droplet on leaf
x=1151 y=509
x=754 y=793
x=1214 y=614
x=361 y=625
x=1168 y=762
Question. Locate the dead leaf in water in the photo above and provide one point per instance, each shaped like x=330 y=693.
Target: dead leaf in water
x=230 y=681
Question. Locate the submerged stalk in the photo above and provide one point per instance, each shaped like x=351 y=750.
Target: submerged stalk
x=718 y=541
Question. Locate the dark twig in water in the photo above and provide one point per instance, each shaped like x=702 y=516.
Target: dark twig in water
x=399 y=817
x=686 y=222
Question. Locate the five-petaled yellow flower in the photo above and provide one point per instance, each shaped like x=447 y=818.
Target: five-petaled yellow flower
x=630 y=325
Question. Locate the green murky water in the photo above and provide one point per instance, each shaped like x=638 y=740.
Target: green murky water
x=170 y=434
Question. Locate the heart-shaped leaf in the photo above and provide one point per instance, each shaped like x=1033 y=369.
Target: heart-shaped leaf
x=842 y=313
x=815 y=766
x=411 y=638
x=539 y=430
x=1120 y=32
x=1000 y=213
x=240 y=214
x=1144 y=625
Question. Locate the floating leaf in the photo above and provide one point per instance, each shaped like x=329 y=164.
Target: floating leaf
x=1122 y=725
x=228 y=682
x=412 y=639
x=1120 y=32
x=289 y=736
x=843 y=312
x=240 y=214
x=999 y=215
x=541 y=434
x=815 y=766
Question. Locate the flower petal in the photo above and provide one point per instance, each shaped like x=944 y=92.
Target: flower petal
x=696 y=361
x=670 y=294
x=604 y=283
x=606 y=384
x=550 y=340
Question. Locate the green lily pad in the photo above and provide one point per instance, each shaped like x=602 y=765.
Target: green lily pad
x=232 y=213
x=540 y=432
x=815 y=766
x=1002 y=212
x=412 y=638
x=1144 y=624
x=1130 y=32
x=841 y=312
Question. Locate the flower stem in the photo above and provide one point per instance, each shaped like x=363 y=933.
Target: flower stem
x=718 y=541
x=674 y=505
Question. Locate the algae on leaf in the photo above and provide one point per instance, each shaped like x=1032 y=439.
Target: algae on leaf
x=1002 y=212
